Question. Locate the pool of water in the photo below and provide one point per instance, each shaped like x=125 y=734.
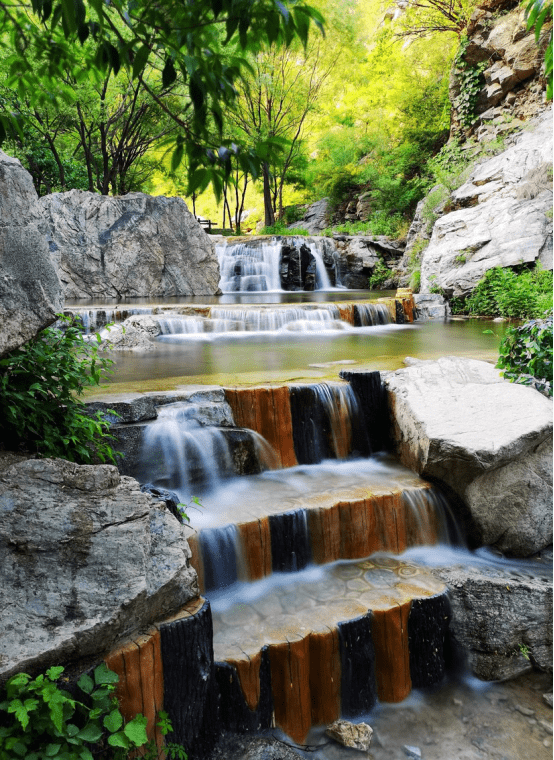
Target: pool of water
x=282 y=356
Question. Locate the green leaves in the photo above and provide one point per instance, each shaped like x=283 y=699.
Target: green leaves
x=538 y=12
x=39 y=406
x=525 y=355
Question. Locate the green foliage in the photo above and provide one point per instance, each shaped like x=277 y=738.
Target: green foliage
x=379 y=224
x=381 y=273
x=280 y=228
x=40 y=411
x=471 y=81
x=41 y=720
x=538 y=12
x=203 y=45
x=526 y=355
x=507 y=293
x=415 y=280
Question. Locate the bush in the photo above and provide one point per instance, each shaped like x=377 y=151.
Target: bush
x=280 y=228
x=40 y=411
x=381 y=273
x=39 y=720
x=506 y=293
x=526 y=355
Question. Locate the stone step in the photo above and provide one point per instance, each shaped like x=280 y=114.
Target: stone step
x=269 y=530
x=332 y=644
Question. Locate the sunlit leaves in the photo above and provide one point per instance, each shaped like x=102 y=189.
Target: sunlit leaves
x=538 y=12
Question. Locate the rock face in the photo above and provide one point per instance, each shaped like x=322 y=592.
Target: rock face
x=499 y=217
x=359 y=254
x=502 y=620
x=315 y=219
x=354 y=735
x=132 y=245
x=497 y=35
x=30 y=291
x=487 y=441
x=86 y=560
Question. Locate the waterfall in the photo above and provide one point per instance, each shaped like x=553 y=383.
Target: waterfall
x=369 y=314
x=219 y=556
x=95 y=319
x=322 y=281
x=327 y=423
x=178 y=451
x=247 y=267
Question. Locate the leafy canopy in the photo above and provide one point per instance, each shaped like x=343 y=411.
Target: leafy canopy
x=203 y=43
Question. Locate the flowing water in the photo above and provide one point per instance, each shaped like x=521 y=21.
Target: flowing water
x=329 y=526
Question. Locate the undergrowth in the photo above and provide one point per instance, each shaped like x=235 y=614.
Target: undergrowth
x=526 y=355
x=40 y=409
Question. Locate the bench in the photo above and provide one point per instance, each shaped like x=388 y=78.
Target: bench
x=206 y=224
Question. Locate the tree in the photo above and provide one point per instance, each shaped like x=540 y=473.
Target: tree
x=202 y=43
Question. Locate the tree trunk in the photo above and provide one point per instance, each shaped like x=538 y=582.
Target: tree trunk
x=269 y=215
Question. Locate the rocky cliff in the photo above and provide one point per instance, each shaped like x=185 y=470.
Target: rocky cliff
x=30 y=291
x=128 y=246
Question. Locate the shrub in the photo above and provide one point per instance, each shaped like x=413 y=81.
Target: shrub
x=506 y=293
x=39 y=720
x=381 y=273
x=280 y=228
x=40 y=411
x=526 y=355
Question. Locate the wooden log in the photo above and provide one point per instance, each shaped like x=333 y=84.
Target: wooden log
x=290 y=672
x=429 y=642
x=392 y=656
x=325 y=676
x=256 y=548
x=357 y=654
x=245 y=701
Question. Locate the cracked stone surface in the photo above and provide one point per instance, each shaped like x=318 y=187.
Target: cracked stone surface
x=499 y=218
x=87 y=559
x=487 y=441
x=126 y=246
x=30 y=291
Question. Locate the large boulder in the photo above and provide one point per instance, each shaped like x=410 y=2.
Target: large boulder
x=501 y=618
x=499 y=217
x=87 y=559
x=30 y=291
x=127 y=246
x=488 y=442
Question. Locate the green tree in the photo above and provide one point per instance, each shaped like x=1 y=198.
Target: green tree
x=204 y=44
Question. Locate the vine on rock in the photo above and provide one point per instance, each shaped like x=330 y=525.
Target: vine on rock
x=471 y=82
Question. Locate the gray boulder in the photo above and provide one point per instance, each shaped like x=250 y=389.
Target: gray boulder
x=315 y=219
x=30 y=291
x=501 y=619
x=126 y=246
x=488 y=442
x=500 y=217
x=87 y=559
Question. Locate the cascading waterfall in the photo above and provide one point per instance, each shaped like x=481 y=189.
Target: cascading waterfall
x=370 y=314
x=179 y=452
x=95 y=319
x=249 y=268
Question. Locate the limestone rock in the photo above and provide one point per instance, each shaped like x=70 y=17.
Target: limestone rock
x=500 y=218
x=354 y=735
x=126 y=246
x=87 y=559
x=430 y=306
x=315 y=219
x=30 y=290
x=485 y=440
x=501 y=619
x=122 y=337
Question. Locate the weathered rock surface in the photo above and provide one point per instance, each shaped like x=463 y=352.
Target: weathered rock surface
x=315 y=219
x=357 y=256
x=86 y=560
x=354 y=735
x=499 y=218
x=497 y=34
x=131 y=245
x=124 y=337
x=487 y=441
x=501 y=619
x=430 y=306
x=30 y=290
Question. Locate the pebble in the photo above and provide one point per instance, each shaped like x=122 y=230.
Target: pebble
x=457 y=702
x=548 y=699
x=531 y=721
x=413 y=752
x=547 y=726
x=524 y=710
x=546 y=743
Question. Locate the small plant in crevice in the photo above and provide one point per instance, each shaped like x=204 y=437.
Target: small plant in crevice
x=40 y=382
x=381 y=273
x=471 y=81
